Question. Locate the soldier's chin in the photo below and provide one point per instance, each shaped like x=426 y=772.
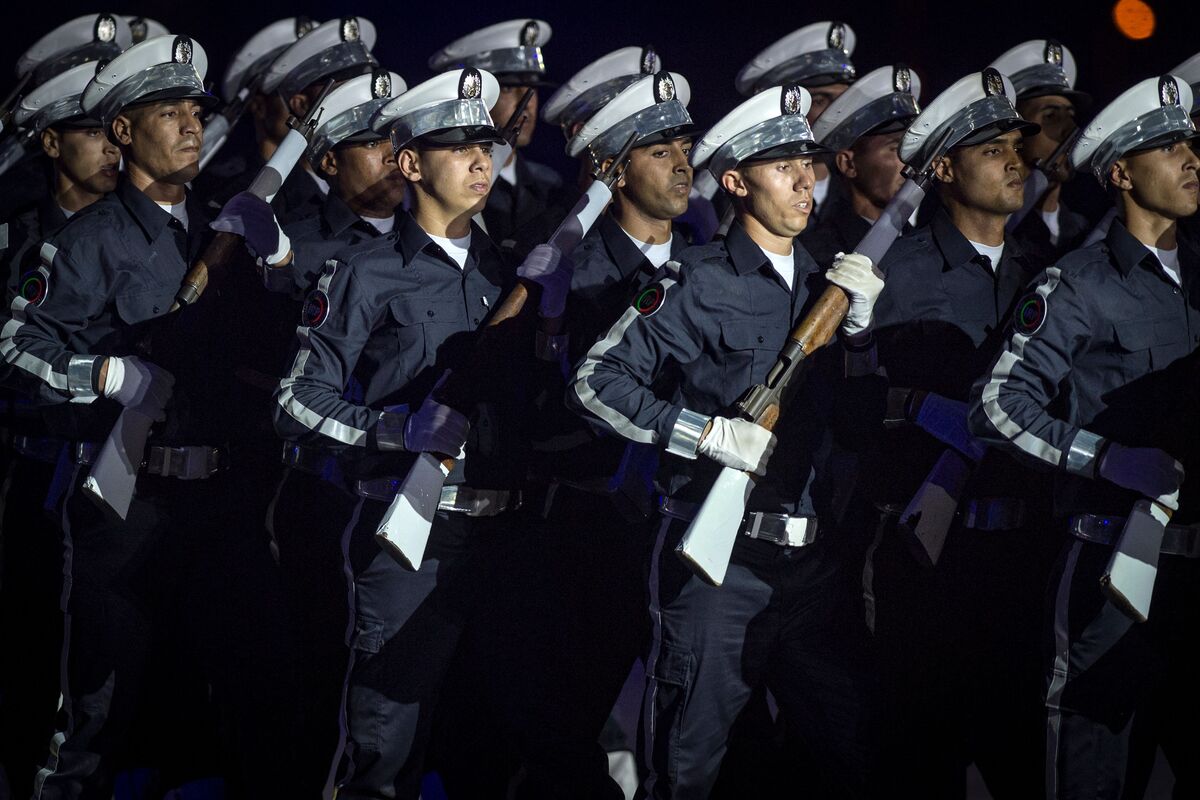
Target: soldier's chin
x=186 y=173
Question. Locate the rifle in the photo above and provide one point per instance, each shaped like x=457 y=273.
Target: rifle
x=113 y=476
x=1038 y=182
x=404 y=529
x=266 y=185
x=1128 y=579
x=217 y=131
x=708 y=542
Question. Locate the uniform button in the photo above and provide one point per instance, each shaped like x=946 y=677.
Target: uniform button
x=760 y=340
x=429 y=313
x=475 y=320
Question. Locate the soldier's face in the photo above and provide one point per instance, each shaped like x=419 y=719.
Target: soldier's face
x=658 y=179
x=163 y=139
x=84 y=156
x=822 y=96
x=873 y=167
x=366 y=176
x=458 y=178
x=510 y=96
x=778 y=194
x=1164 y=179
x=1056 y=115
x=987 y=177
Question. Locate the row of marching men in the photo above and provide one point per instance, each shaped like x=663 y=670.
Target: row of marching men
x=509 y=403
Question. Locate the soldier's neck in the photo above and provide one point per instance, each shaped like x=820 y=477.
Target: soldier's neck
x=779 y=244
x=863 y=206
x=436 y=220
x=641 y=225
x=71 y=196
x=977 y=224
x=160 y=191
x=1148 y=227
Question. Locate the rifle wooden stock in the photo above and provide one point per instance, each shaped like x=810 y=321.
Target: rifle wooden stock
x=820 y=324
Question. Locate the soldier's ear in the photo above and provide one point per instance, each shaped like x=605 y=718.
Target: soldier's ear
x=734 y=183
x=328 y=163
x=50 y=143
x=1119 y=177
x=409 y=163
x=122 y=130
x=943 y=170
x=845 y=163
x=299 y=105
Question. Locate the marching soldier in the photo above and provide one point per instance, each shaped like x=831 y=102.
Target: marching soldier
x=1097 y=382
x=336 y=51
x=528 y=199
x=1043 y=73
x=817 y=57
x=84 y=169
x=863 y=127
x=705 y=331
x=365 y=188
x=93 y=37
x=953 y=591
x=581 y=569
x=385 y=319
x=74 y=338
x=232 y=171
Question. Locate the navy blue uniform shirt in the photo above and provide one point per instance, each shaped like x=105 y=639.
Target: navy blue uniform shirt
x=1098 y=348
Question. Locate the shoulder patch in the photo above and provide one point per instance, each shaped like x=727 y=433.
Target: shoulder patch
x=315 y=310
x=1029 y=314
x=650 y=299
x=35 y=285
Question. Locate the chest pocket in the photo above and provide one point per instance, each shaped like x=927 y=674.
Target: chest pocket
x=425 y=326
x=1151 y=344
x=145 y=303
x=750 y=347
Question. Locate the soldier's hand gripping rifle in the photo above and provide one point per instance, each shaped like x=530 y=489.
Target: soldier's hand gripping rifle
x=1038 y=182
x=404 y=529
x=708 y=542
x=114 y=472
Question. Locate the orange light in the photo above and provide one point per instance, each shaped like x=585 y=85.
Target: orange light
x=1134 y=19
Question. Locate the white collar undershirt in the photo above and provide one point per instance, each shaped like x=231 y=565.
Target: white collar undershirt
x=455 y=248
x=1169 y=259
x=178 y=211
x=993 y=253
x=785 y=266
x=656 y=254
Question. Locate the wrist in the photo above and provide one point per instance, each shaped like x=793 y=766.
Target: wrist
x=1086 y=454
x=689 y=429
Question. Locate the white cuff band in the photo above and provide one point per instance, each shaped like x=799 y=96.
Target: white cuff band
x=1081 y=458
x=685 y=436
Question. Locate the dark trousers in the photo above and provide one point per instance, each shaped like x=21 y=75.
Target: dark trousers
x=30 y=621
x=543 y=661
x=406 y=629
x=174 y=605
x=781 y=619
x=306 y=516
x=1118 y=690
x=959 y=657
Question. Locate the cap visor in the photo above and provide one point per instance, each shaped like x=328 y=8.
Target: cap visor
x=468 y=134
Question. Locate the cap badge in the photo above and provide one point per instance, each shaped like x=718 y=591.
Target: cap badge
x=1054 y=53
x=1168 y=91
x=902 y=79
x=350 y=30
x=837 y=36
x=106 y=29
x=993 y=83
x=529 y=33
x=470 y=84
x=304 y=26
x=381 y=85
x=651 y=63
x=664 y=88
x=181 y=52
x=792 y=100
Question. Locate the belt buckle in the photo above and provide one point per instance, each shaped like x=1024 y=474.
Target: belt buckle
x=185 y=463
x=801 y=531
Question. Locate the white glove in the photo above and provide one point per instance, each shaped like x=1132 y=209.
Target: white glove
x=138 y=384
x=852 y=272
x=546 y=266
x=738 y=443
x=1146 y=470
x=435 y=428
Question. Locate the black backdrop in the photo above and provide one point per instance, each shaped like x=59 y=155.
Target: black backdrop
x=707 y=42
